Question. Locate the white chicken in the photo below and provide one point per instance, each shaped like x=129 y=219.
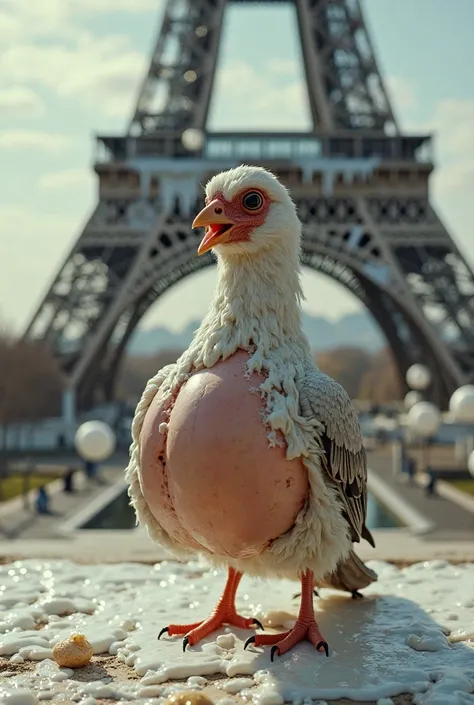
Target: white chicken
x=243 y=450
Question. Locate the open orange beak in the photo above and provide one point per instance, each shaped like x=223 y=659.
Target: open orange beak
x=218 y=226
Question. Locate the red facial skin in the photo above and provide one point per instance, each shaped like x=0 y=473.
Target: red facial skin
x=244 y=220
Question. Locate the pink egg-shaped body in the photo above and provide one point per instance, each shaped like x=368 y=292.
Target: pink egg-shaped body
x=153 y=473
x=219 y=482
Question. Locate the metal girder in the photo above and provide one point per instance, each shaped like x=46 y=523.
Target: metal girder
x=176 y=92
x=344 y=84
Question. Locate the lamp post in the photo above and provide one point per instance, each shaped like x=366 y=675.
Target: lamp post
x=461 y=406
x=412 y=398
x=470 y=464
x=418 y=377
x=95 y=442
x=424 y=419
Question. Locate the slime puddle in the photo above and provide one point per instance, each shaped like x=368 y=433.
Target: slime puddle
x=410 y=635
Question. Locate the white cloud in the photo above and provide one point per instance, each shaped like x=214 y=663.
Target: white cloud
x=454 y=124
x=103 y=73
x=283 y=67
x=34 y=139
x=20 y=102
x=104 y=6
x=24 y=19
x=31 y=247
x=240 y=85
x=401 y=93
x=66 y=179
x=453 y=181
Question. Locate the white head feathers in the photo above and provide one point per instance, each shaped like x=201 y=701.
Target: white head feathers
x=281 y=230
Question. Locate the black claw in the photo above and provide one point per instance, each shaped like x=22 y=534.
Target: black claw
x=250 y=640
x=258 y=624
x=165 y=630
x=356 y=595
x=298 y=594
x=323 y=645
x=185 y=643
x=275 y=650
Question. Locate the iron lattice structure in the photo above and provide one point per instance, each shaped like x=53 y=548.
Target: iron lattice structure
x=360 y=185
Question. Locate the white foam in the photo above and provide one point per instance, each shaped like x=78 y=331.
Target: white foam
x=395 y=641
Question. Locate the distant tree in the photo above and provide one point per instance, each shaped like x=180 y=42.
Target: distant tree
x=366 y=376
x=382 y=382
x=347 y=365
x=136 y=370
x=30 y=380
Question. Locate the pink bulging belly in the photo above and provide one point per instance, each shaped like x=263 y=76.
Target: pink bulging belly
x=213 y=481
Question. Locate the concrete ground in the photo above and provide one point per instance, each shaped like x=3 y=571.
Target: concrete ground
x=19 y=521
x=451 y=521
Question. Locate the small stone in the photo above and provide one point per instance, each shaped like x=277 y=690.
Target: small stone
x=226 y=641
x=188 y=697
x=73 y=652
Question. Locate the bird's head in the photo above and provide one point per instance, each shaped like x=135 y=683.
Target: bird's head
x=248 y=211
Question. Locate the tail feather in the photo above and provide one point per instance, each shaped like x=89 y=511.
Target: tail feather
x=350 y=576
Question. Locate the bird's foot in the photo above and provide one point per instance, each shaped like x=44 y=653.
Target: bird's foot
x=225 y=613
x=356 y=595
x=304 y=629
x=193 y=633
x=298 y=594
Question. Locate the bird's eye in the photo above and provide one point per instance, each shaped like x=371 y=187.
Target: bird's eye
x=252 y=201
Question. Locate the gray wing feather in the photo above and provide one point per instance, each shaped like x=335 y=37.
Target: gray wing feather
x=345 y=461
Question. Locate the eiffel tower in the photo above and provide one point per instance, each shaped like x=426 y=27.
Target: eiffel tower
x=361 y=187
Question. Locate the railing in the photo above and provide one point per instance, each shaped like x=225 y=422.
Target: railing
x=258 y=148
x=269 y=147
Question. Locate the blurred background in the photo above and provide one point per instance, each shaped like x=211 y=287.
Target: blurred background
x=70 y=70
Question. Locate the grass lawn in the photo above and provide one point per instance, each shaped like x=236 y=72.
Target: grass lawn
x=13 y=486
x=463 y=485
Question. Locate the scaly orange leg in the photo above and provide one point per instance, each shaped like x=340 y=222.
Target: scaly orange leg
x=225 y=613
x=306 y=626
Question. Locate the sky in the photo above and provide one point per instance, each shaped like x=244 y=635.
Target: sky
x=71 y=68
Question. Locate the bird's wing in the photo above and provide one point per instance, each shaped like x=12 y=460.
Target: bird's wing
x=345 y=461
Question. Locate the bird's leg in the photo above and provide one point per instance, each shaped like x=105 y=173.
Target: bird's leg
x=306 y=626
x=224 y=613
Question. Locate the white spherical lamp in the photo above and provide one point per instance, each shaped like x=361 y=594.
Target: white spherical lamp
x=425 y=419
x=470 y=464
x=461 y=404
x=418 y=377
x=192 y=139
x=412 y=398
x=95 y=441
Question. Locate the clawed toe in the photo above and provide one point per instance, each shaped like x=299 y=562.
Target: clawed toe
x=275 y=650
x=323 y=645
x=193 y=633
x=298 y=594
x=250 y=640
